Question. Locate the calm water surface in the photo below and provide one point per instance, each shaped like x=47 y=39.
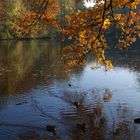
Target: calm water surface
x=35 y=92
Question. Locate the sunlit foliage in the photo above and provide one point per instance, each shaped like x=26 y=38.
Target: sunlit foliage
x=88 y=29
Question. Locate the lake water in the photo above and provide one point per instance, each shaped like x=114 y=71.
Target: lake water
x=36 y=90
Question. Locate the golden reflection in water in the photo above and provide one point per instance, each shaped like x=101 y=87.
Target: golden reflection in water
x=23 y=63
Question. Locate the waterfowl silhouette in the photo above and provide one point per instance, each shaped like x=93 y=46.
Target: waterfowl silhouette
x=18 y=103
x=77 y=103
x=21 y=103
x=137 y=120
x=116 y=132
x=69 y=85
x=81 y=126
x=51 y=128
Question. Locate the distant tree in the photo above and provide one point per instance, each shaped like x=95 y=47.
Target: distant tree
x=35 y=16
x=7 y=15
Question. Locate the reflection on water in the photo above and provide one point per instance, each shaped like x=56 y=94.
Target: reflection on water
x=36 y=90
x=24 y=65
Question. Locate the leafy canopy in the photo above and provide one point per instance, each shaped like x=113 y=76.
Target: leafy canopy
x=88 y=29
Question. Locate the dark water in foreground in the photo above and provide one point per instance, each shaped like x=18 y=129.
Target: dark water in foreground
x=34 y=92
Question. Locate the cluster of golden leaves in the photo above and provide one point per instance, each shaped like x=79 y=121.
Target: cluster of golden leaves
x=87 y=28
x=129 y=27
